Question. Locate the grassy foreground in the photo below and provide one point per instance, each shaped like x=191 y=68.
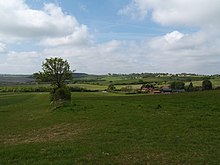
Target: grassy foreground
x=101 y=128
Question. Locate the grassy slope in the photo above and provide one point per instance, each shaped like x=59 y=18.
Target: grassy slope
x=103 y=128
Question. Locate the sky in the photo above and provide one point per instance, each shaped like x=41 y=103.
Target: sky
x=111 y=36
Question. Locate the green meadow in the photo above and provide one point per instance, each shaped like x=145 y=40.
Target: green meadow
x=107 y=128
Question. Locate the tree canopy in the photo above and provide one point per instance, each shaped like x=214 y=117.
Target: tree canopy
x=56 y=71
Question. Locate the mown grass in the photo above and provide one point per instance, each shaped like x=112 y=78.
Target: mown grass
x=104 y=128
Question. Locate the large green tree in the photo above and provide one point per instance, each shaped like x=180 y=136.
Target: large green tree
x=57 y=72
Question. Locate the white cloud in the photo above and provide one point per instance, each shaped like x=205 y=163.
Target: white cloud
x=80 y=36
x=21 y=62
x=169 y=41
x=197 y=13
x=18 y=21
x=175 y=51
x=23 y=58
x=3 y=48
x=96 y=58
x=196 y=53
x=137 y=10
x=173 y=37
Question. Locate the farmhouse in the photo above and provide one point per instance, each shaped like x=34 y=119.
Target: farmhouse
x=149 y=88
x=156 y=91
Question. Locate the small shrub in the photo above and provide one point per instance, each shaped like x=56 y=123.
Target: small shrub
x=177 y=85
x=60 y=94
x=77 y=89
x=190 y=87
x=217 y=88
x=207 y=85
x=111 y=87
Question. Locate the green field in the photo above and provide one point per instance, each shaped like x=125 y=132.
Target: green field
x=19 y=83
x=105 y=128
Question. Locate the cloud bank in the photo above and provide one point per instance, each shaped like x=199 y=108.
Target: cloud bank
x=200 y=13
x=57 y=33
x=20 y=22
x=195 y=52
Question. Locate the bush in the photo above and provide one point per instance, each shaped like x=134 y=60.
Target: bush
x=111 y=87
x=80 y=89
x=217 y=88
x=60 y=94
x=177 y=85
x=190 y=87
x=207 y=85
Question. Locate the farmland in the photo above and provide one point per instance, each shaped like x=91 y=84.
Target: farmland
x=89 y=82
x=26 y=83
x=110 y=128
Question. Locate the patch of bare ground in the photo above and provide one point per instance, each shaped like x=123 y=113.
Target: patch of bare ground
x=52 y=133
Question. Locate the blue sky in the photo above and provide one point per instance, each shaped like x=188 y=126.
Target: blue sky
x=111 y=36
